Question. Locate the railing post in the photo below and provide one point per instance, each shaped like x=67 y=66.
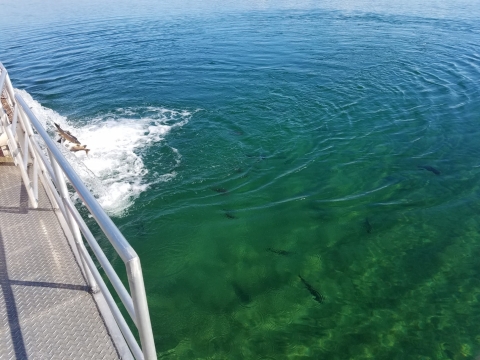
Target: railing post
x=15 y=119
x=62 y=189
x=3 y=77
x=25 y=149
x=139 y=298
x=9 y=87
x=17 y=157
x=35 y=175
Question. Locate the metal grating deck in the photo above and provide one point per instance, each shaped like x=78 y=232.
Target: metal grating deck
x=46 y=311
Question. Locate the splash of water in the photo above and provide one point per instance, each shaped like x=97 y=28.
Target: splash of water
x=114 y=170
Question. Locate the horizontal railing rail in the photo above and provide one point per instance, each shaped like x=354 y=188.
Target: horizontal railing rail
x=51 y=167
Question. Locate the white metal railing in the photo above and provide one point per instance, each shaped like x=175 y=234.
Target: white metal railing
x=51 y=170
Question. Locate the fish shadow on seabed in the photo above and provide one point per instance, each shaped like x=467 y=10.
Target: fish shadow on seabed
x=241 y=294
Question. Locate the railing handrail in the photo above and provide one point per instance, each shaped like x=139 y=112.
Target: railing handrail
x=123 y=248
x=53 y=172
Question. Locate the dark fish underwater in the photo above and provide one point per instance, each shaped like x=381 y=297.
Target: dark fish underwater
x=368 y=226
x=430 y=168
x=230 y=215
x=316 y=295
x=220 y=190
x=279 y=251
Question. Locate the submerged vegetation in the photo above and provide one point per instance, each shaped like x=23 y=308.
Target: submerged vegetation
x=390 y=292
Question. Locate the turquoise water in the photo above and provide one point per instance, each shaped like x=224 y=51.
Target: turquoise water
x=240 y=146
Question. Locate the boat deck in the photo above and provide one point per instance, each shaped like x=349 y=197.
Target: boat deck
x=46 y=309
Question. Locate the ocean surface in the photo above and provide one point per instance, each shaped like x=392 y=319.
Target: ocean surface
x=301 y=179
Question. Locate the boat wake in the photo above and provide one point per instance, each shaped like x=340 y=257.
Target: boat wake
x=114 y=169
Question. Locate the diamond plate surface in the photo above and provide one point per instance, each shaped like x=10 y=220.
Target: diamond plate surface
x=46 y=311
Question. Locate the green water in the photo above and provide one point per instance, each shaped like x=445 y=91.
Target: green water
x=334 y=142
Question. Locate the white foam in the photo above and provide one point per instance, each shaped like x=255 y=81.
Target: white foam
x=114 y=170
